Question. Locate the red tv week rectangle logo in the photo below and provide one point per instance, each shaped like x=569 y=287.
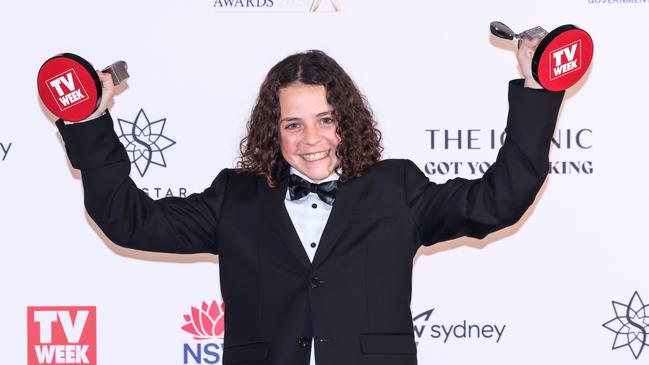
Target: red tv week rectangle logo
x=61 y=335
x=565 y=60
x=67 y=89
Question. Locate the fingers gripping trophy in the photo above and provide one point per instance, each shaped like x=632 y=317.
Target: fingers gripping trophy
x=73 y=90
x=559 y=59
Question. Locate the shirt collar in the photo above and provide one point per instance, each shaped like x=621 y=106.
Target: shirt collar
x=333 y=176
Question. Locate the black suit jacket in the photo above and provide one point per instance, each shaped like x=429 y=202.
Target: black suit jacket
x=354 y=299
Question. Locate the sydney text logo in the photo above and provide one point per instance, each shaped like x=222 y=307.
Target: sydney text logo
x=427 y=328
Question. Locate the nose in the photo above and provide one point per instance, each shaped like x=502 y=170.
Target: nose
x=312 y=135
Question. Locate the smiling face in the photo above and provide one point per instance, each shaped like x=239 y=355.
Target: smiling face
x=307 y=130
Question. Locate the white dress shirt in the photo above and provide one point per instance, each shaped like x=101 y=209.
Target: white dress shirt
x=309 y=216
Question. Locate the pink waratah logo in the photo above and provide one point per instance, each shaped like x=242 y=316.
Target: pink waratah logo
x=206 y=322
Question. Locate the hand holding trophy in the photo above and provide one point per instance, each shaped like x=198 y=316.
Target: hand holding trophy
x=562 y=56
x=70 y=87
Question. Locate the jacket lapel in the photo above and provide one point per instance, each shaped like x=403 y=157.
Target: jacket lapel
x=342 y=208
x=275 y=209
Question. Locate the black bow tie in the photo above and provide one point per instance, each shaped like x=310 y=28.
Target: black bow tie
x=299 y=188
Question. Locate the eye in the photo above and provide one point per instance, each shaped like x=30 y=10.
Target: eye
x=291 y=125
x=327 y=120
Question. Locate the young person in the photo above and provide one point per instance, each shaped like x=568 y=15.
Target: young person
x=315 y=233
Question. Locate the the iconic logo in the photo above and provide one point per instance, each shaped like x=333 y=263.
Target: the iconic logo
x=4 y=150
x=565 y=60
x=572 y=141
x=144 y=141
x=425 y=328
x=204 y=323
x=66 y=89
x=61 y=335
x=630 y=325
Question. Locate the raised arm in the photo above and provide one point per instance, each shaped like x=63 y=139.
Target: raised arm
x=475 y=208
x=478 y=207
x=127 y=215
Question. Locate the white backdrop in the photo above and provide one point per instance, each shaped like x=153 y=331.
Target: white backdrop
x=546 y=284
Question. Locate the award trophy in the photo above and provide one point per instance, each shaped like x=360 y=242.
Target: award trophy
x=70 y=88
x=562 y=57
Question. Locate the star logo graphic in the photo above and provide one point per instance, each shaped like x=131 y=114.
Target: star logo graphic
x=630 y=325
x=144 y=141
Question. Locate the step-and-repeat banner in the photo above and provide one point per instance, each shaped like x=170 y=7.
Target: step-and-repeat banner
x=565 y=285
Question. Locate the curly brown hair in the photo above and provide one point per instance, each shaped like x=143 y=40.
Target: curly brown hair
x=360 y=145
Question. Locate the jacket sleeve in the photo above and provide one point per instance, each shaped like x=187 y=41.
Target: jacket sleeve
x=127 y=215
x=478 y=207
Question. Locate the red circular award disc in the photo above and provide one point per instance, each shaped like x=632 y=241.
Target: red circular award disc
x=69 y=87
x=562 y=58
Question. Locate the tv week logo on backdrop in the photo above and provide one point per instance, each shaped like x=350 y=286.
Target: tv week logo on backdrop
x=206 y=326
x=61 y=335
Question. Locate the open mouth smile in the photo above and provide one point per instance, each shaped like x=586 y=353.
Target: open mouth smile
x=315 y=156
